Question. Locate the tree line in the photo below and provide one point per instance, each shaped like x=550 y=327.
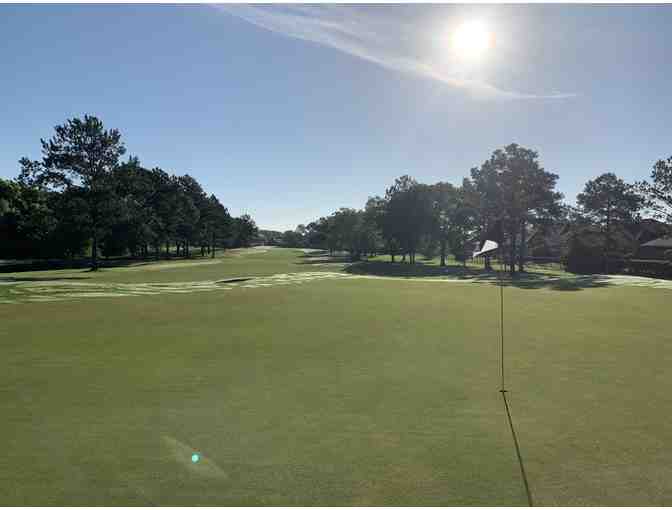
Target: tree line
x=506 y=198
x=81 y=197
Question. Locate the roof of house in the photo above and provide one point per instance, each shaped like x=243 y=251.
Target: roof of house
x=661 y=242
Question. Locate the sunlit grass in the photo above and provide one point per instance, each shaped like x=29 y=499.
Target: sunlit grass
x=343 y=391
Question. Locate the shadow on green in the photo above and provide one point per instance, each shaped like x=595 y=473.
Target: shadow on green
x=525 y=280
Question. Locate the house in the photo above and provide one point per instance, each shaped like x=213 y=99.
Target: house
x=653 y=258
x=656 y=249
x=552 y=240
x=649 y=229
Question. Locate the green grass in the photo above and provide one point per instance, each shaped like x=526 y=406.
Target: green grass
x=356 y=391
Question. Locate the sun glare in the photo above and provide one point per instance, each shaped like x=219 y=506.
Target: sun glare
x=471 y=39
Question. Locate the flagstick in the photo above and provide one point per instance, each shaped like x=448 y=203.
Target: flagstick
x=503 y=391
x=489 y=248
x=501 y=314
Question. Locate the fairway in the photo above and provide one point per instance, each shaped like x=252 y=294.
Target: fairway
x=300 y=381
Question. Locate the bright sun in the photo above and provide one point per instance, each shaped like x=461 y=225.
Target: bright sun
x=471 y=39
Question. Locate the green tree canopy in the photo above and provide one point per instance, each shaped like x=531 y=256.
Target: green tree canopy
x=606 y=201
x=82 y=154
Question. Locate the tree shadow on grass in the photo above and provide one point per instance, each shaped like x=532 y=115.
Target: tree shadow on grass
x=19 y=279
x=314 y=253
x=562 y=283
x=526 y=280
x=402 y=270
x=338 y=261
x=322 y=257
x=85 y=263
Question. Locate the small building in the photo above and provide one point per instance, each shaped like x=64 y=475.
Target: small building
x=656 y=249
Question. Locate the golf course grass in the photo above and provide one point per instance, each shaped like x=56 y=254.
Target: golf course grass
x=321 y=383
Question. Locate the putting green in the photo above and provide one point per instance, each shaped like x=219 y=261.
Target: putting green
x=329 y=390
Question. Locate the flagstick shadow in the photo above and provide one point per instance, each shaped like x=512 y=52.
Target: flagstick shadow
x=528 y=493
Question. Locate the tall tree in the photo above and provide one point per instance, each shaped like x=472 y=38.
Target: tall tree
x=371 y=226
x=445 y=206
x=82 y=154
x=516 y=191
x=79 y=195
x=317 y=233
x=244 y=230
x=607 y=201
x=379 y=213
x=192 y=203
x=658 y=192
x=482 y=192
x=410 y=212
x=463 y=223
x=217 y=223
x=346 y=227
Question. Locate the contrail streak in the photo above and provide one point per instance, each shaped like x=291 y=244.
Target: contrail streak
x=349 y=32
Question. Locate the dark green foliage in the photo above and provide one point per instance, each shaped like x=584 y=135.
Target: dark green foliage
x=455 y=219
x=410 y=214
x=82 y=155
x=658 y=193
x=292 y=239
x=117 y=239
x=352 y=230
x=244 y=230
x=80 y=197
x=271 y=237
x=503 y=197
x=509 y=198
x=71 y=235
x=608 y=202
x=317 y=234
x=582 y=255
x=514 y=192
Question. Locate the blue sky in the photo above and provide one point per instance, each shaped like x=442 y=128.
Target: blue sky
x=288 y=114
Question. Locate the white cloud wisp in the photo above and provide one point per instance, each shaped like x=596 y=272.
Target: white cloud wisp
x=351 y=32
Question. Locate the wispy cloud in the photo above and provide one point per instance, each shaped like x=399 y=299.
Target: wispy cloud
x=372 y=39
